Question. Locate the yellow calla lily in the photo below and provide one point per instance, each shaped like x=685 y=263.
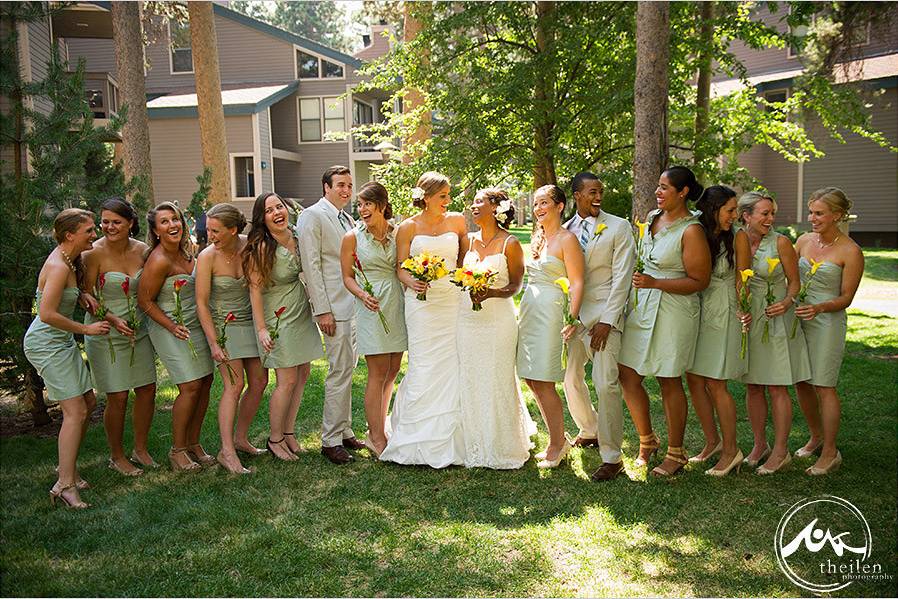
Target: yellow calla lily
x=641 y=227
x=599 y=228
x=564 y=283
x=815 y=265
x=746 y=275
x=772 y=263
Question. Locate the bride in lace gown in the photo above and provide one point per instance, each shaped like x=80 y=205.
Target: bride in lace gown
x=497 y=426
x=426 y=419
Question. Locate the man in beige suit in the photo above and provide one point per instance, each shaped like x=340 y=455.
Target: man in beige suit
x=320 y=230
x=609 y=249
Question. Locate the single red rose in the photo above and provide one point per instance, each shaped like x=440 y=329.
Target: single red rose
x=280 y=311
x=126 y=285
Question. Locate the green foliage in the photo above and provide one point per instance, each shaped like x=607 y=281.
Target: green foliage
x=69 y=164
x=479 y=68
x=199 y=201
x=320 y=21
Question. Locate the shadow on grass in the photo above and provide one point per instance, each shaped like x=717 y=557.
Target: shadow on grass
x=881 y=265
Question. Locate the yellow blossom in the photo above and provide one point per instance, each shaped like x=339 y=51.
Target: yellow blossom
x=815 y=265
x=564 y=283
x=772 y=263
x=641 y=227
x=599 y=228
x=746 y=275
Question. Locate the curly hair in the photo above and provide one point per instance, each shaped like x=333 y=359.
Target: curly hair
x=185 y=246
x=495 y=196
x=258 y=253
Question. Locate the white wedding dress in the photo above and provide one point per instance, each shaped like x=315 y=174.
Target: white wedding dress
x=426 y=419
x=497 y=426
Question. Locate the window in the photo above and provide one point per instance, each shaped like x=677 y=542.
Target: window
x=96 y=103
x=244 y=177
x=362 y=114
x=309 y=66
x=318 y=116
x=181 y=54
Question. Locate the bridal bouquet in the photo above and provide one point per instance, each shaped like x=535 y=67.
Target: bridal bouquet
x=133 y=321
x=569 y=319
x=745 y=305
x=425 y=267
x=772 y=263
x=102 y=311
x=222 y=341
x=474 y=280
x=639 y=267
x=179 y=315
x=803 y=292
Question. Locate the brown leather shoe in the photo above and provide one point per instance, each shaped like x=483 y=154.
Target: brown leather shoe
x=607 y=472
x=585 y=442
x=353 y=443
x=337 y=455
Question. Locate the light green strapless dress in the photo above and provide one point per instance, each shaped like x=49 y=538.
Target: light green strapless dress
x=299 y=340
x=55 y=355
x=825 y=333
x=541 y=321
x=660 y=332
x=781 y=360
x=379 y=262
x=720 y=332
x=232 y=295
x=175 y=353
x=112 y=377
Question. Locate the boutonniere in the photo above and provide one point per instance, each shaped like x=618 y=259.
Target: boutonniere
x=599 y=229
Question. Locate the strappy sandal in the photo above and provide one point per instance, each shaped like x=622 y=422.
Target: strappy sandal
x=203 y=459
x=270 y=444
x=651 y=442
x=57 y=493
x=191 y=466
x=298 y=449
x=113 y=465
x=674 y=454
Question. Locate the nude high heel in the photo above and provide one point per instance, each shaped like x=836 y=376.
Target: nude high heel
x=736 y=463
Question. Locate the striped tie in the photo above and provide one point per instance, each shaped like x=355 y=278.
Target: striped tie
x=344 y=220
x=584 y=233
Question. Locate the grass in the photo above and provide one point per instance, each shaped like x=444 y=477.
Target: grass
x=880 y=267
x=372 y=529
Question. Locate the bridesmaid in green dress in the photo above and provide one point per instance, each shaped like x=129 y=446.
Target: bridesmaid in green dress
x=774 y=360
x=181 y=348
x=661 y=329
x=50 y=346
x=823 y=319
x=555 y=253
x=115 y=259
x=221 y=289
x=374 y=243
x=718 y=345
x=287 y=337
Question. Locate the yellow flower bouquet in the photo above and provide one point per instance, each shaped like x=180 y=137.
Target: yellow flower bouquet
x=745 y=305
x=639 y=267
x=565 y=284
x=474 y=280
x=425 y=267
x=772 y=263
x=803 y=292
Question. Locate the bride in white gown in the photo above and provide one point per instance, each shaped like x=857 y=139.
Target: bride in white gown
x=497 y=426
x=426 y=419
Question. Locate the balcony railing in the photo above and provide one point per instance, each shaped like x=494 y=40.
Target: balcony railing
x=361 y=145
x=101 y=91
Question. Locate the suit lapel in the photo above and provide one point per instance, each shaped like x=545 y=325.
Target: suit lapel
x=334 y=220
x=594 y=241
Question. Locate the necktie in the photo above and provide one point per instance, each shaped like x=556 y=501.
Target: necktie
x=584 y=233
x=344 y=220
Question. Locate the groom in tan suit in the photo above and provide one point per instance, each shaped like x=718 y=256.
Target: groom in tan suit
x=320 y=230
x=609 y=249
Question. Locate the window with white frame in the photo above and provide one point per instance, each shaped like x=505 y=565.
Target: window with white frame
x=181 y=52
x=309 y=66
x=243 y=169
x=362 y=113
x=318 y=116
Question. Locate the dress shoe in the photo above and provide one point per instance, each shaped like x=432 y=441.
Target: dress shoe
x=754 y=463
x=765 y=470
x=735 y=463
x=371 y=448
x=805 y=453
x=650 y=443
x=585 y=442
x=337 y=454
x=546 y=463
x=699 y=458
x=607 y=471
x=113 y=465
x=676 y=455
x=834 y=465
x=353 y=443
x=250 y=450
x=57 y=493
x=136 y=459
x=200 y=456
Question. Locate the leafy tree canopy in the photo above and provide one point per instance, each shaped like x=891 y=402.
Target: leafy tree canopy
x=321 y=22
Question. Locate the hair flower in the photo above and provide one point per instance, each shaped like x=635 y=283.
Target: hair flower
x=502 y=211
x=417 y=193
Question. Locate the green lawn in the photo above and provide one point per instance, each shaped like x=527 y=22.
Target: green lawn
x=374 y=529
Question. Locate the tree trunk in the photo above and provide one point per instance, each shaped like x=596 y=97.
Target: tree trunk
x=703 y=88
x=414 y=99
x=543 y=157
x=204 y=44
x=650 y=130
x=34 y=397
x=127 y=35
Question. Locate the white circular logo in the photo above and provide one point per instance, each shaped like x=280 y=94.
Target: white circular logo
x=822 y=544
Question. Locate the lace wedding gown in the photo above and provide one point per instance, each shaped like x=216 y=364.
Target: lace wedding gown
x=497 y=426
x=426 y=419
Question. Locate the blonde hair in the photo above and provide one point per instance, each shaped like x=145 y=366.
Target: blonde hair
x=431 y=182
x=748 y=201
x=185 y=246
x=835 y=198
x=68 y=221
x=228 y=215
